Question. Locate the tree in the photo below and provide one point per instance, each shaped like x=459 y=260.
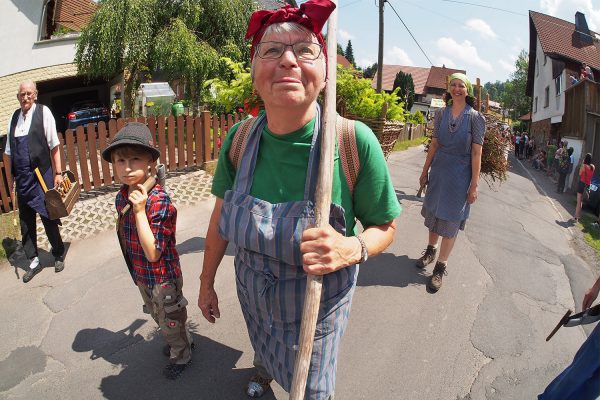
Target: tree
x=514 y=97
x=117 y=39
x=349 y=54
x=407 y=89
x=369 y=72
x=179 y=37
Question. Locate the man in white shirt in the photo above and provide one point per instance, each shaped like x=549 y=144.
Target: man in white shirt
x=33 y=144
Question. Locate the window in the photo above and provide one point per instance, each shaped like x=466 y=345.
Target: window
x=545 y=59
x=535 y=105
x=547 y=96
x=559 y=84
x=47 y=25
x=537 y=68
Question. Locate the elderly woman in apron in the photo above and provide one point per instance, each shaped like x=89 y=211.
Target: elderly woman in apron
x=265 y=206
x=454 y=157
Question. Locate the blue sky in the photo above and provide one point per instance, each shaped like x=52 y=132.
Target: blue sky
x=483 y=41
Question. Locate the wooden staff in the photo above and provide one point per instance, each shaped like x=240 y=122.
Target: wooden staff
x=312 y=297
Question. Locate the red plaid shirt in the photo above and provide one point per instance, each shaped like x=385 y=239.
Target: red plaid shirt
x=162 y=216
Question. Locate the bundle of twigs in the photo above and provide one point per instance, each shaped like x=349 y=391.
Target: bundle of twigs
x=494 y=164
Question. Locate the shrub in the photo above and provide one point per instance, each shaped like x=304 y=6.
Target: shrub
x=359 y=98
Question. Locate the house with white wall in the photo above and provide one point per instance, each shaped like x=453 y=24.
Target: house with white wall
x=556 y=52
x=564 y=106
x=38 y=44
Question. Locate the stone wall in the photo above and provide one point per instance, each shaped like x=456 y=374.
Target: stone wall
x=9 y=85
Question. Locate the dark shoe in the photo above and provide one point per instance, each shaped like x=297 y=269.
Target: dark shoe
x=167 y=349
x=435 y=282
x=428 y=256
x=258 y=386
x=173 y=371
x=31 y=273
x=59 y=264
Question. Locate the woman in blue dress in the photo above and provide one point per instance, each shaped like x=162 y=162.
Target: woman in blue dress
x=451 y=172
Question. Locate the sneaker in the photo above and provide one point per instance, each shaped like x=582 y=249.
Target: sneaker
x=435 y=282
x=258 y=386
x=31 y=273
x=59 y=264
x=428 y=256
x=173 y=371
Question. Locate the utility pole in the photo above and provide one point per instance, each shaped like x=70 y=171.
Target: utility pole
x=380 y=54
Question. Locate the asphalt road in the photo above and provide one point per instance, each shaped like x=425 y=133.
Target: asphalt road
x=81 y=334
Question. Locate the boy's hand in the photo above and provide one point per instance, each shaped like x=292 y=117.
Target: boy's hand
x=138 y=199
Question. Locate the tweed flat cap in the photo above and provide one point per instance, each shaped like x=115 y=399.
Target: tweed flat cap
x=132 y=134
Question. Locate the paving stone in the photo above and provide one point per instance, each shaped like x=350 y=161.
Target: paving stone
x=94 y=212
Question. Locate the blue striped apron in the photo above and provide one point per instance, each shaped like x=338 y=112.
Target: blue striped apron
x=269 y=276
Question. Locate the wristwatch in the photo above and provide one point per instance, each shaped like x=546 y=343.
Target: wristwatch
x=58 y=173
x=364 y=252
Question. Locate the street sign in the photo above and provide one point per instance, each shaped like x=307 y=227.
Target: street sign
x=437 y=103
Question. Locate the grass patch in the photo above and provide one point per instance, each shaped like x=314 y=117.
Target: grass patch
x=405 y=144
x=590 y=233
x=9 y=234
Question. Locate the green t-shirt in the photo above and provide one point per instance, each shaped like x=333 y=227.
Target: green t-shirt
x=280 y=175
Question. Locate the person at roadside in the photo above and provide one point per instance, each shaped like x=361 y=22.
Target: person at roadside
x=33 y=144
x=451 y=172
x=265 y=206
x=565 y=167
x=539 y=162
x=586 y=172
x=581 y=379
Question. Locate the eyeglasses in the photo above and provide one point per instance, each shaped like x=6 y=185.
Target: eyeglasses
x=302 y=50
x=25 y=94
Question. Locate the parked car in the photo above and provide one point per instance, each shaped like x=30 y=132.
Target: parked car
x=591 y=196
x=85 y=112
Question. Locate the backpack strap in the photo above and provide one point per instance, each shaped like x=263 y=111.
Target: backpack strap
x=348 y=150
x=239 y=141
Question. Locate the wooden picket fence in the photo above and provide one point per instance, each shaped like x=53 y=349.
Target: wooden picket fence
x=184 y=142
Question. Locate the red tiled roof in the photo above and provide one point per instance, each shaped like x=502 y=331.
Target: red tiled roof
x=558 y=37
x=526 y=117
x=344 y=61
x=389 y=73
x=438 y=77
x=74 y=14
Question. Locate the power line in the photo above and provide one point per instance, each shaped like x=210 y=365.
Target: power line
x=410 y=33
x=484 y=6
x=498 y=37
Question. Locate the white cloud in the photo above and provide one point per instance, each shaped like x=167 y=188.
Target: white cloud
x=481 y=27
x=566 y=9
x=464 y=53
x=445 y=61
x=397 y=56
x=510 y=67
x=365 y=62
x=345 y=35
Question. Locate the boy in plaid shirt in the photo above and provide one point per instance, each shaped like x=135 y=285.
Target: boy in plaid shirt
x=147 y=237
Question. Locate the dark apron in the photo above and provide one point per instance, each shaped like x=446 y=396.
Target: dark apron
x=29 y=190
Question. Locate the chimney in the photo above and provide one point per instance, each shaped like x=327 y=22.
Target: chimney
x=581 y=29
